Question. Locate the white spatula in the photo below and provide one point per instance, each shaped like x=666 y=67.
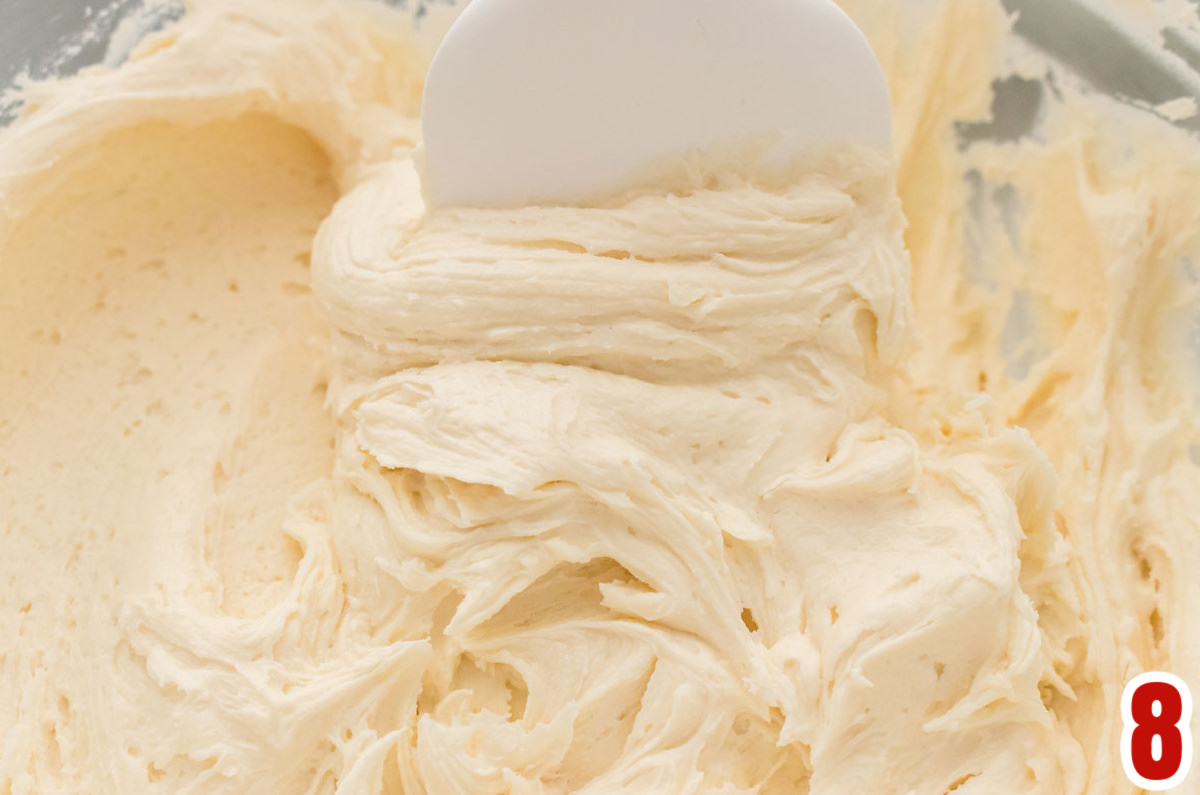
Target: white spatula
x=560 y=101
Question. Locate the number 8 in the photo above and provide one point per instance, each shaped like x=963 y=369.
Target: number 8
x=1171 y=726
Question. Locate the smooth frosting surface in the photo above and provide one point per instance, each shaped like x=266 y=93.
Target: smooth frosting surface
x=873 y=475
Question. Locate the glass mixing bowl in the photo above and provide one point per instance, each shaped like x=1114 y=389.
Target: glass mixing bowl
x=44 y=38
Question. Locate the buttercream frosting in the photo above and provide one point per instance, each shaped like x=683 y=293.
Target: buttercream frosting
x=873 y=474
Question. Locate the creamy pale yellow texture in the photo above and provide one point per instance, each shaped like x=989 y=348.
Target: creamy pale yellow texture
x=708 y=490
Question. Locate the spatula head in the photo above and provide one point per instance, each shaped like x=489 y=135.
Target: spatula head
x=560 y=101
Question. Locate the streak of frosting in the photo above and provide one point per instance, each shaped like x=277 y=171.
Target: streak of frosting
x=760 y=484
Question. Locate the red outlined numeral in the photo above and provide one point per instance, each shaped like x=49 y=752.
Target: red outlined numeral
x=1156 y=743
